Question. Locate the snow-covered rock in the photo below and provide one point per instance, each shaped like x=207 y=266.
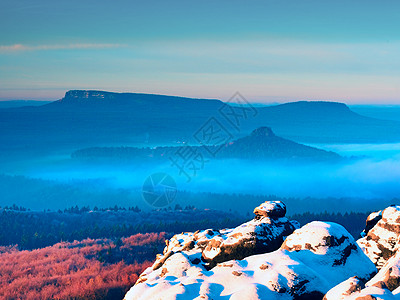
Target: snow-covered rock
x=272 y=209
x=371 y=221
x=265 y=233
x=380 y=244
x=240 y=263
x=380 y=240
x=354 y=289
x=389 y=274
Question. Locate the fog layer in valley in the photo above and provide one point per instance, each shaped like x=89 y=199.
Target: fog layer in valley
x=368 y=172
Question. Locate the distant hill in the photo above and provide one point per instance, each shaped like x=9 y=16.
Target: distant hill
x=386 y=112
x=96 y=118
x=325 y=122
x=89 y=118
x=20 y=103
x=261 y=144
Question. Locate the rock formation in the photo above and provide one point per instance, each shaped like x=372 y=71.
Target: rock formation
x=380 y=241
x=380 y=244
x=265 y=258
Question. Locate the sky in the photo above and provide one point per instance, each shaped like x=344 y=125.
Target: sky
x=269 y=51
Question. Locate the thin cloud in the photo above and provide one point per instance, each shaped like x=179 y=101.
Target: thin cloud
x=21 y=47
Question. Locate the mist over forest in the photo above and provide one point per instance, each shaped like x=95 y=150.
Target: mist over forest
x=96 y=181
x=62 y=179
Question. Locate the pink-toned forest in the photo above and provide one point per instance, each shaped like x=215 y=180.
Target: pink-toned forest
x=87 y=269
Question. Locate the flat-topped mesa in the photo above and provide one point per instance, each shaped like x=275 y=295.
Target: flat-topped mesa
x=86 y=94
x=317 y=106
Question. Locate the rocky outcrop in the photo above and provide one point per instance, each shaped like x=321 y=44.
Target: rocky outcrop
x=372 y=219
x=328 y=239
x=389 y=274
x=380 y=244
x=241 y=263
x=320 y=260
x=355 y=289
x=265 y=233
x=380 y=240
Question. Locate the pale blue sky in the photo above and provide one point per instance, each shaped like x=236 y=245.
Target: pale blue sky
x=270 y=51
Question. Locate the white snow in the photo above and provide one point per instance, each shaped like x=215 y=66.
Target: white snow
x=264 y=276
x=313 y=234
x=318 y=259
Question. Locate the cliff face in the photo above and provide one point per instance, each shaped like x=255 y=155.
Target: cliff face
x=83 y=94
x=269 y=257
